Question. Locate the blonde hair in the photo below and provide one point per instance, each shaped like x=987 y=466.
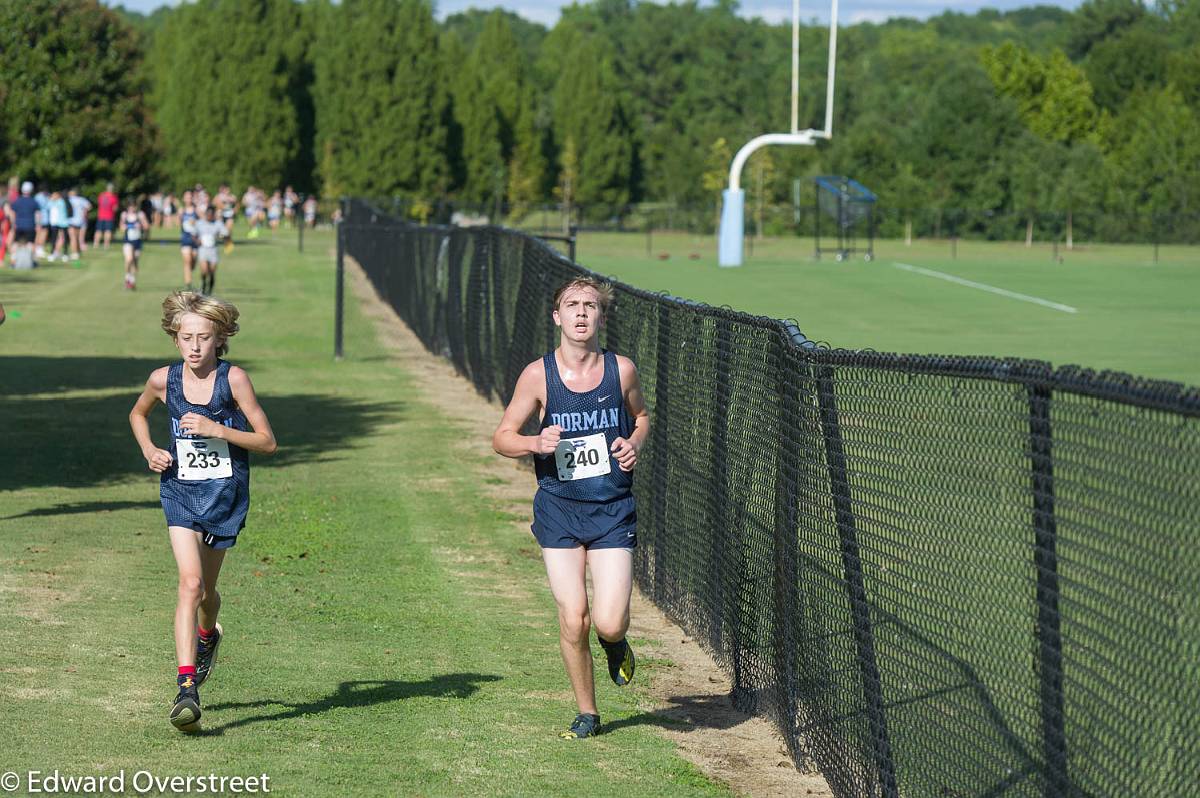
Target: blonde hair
x=223 y=315
x=604 y=291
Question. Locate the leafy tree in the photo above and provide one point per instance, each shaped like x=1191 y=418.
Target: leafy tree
x=1134 y=58
x=568 y=180
x=71 y=107
x=587 y=111
x=1081 y=185
x=467 y=26
x=1032 y=179
x=1096 y=20
x=382 y=100
x=907 y=194
x=1156 y=158
x=527 y=167
x=1053 y=96
x=228 y=111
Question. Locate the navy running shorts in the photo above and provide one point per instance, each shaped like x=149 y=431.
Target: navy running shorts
x=560 y=523
x=104 y=225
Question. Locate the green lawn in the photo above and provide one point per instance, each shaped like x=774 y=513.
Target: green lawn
x=387 y=632
x=1132 y=314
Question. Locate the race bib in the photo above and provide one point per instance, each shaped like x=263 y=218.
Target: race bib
x=203 y=458
x=580 y=458
x=208 y=240
x=133 y=233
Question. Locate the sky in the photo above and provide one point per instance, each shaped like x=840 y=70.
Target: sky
x=849 y=11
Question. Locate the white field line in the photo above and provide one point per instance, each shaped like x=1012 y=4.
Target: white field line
x=985 y=287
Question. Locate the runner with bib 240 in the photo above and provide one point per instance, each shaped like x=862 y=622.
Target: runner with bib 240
x=593 y=422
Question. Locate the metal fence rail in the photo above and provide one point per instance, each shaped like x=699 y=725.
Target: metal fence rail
x=939 y=576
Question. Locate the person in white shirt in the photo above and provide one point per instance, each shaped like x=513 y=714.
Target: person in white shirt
x=209 y=232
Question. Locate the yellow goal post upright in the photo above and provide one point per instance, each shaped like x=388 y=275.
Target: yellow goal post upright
x=732 y=234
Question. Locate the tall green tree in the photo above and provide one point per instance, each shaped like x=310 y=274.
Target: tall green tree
x=1135 y=58
x=1096 y=20
x=71 y=104
x=228 y=101
x=1053 y=95
x=1155 y=157
x=502 y=144
x=587 y=111
x=382 y=100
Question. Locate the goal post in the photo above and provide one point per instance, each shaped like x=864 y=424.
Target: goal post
x=731 y=238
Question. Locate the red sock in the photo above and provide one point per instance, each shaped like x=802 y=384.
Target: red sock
x=187 y=670
x=207 y=633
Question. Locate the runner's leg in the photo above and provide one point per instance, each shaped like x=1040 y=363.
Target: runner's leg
x=565 y=570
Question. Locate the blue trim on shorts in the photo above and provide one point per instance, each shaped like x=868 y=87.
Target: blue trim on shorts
x=560 y=523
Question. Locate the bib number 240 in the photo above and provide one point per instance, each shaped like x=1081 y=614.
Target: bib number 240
x=580 y=458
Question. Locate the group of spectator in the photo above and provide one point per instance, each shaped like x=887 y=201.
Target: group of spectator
x=52 y=225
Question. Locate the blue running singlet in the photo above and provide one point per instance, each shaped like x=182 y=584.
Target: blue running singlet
x=216 y=507
x=583 y=468
x=133 y=229
x=187 y=222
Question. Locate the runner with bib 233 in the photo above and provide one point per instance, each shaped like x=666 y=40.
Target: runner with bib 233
x=593 y=422
x=204 y=481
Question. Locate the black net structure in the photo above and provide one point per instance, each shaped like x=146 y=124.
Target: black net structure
x=938 y=576
x=851 y=206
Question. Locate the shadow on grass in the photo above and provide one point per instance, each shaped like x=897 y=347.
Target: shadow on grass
x=77 y=508
x=350 y=695
x=84 y=441
x=687 y=713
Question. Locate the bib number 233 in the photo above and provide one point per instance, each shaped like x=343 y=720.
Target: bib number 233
x=580 y=458
x=203 y=458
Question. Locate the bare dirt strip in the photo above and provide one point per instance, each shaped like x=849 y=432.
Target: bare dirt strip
x=685 y=689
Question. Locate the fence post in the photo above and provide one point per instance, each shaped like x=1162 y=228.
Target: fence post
x=659 y=436
x=786 y=543
x=864 y=636
x=572 y=233
x=339 y=300
x=730 y=620
x=1049 y=620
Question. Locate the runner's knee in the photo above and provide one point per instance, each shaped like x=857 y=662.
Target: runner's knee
x=191 y=588
x=611 y=627
x=574 y=625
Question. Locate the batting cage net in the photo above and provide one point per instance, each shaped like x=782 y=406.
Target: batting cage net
x=939 y=576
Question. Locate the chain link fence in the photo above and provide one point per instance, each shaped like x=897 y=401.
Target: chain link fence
x=938 y=576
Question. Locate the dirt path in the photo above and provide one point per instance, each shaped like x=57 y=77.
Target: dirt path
x=691 y=694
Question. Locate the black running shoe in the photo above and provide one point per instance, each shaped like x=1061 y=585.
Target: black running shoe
x=621 y=662
x=584 y=726
x=206 y=655
x=185 y=715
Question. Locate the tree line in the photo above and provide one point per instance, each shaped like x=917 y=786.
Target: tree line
x=1014 y=114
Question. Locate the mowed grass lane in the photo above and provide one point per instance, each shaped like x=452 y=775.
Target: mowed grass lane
x=387 y=632
x=1133 y=315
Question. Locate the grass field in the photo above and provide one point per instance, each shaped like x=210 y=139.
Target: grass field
x=1131 y=314
x=387 y=630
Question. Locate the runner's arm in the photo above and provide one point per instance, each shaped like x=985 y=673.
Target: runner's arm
x=625 y=450
x=159 y=460
x=261 y=440
x=527 y=399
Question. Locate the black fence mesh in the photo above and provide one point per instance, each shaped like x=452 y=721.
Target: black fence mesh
x=939 y=576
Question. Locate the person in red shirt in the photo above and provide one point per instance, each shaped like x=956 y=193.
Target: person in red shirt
x=106 y=215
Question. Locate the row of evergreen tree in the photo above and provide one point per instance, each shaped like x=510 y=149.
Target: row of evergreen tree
x=1040 y=109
